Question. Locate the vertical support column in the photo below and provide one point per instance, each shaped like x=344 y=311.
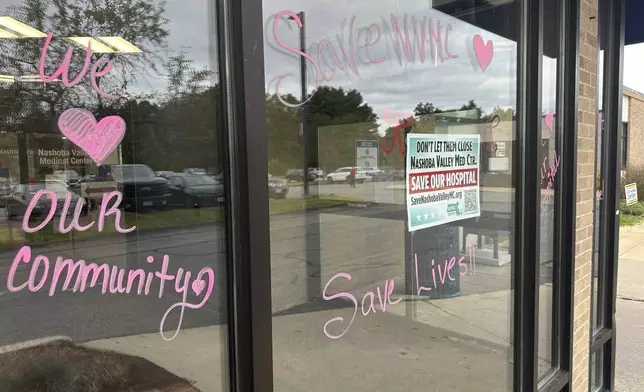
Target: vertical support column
x=611 y=161
x=527 y=195
x=241 y=66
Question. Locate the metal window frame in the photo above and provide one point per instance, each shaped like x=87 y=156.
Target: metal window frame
x=527 y=190
x=612 y=13
x=240 y=34
x=241 y=66
x=527 y=223
x=567 y=203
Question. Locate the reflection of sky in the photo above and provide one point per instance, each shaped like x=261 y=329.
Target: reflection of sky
x=189 y=32
x=390 y=86
x=633 y=60
x=188 y=25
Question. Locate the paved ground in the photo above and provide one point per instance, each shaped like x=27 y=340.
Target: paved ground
x=451 y=344
x=630 y=311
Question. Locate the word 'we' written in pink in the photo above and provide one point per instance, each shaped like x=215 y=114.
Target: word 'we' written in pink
x=100 y=68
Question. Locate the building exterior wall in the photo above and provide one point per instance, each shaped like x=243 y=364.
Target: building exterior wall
x=585 y=192
x=635 y=120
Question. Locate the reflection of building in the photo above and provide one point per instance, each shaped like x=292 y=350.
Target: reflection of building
x=46 y=153
x=632 y=131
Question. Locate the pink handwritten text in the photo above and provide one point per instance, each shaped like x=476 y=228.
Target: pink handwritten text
x=339 y=55
x=548 y=174
x=446 y=271
x=37 y=200
x=99 y=68
x=114 y=279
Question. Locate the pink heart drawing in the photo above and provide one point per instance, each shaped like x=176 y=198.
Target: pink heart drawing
x=484 y=52
x=98 y=140
x=550 y=121
x=198 y=285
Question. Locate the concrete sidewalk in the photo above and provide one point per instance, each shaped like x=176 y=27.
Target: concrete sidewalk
x=456 y=344
x=380 y=352
x=630 y=311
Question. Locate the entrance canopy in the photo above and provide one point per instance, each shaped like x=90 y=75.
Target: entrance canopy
x=634 y=33
x=485 y=14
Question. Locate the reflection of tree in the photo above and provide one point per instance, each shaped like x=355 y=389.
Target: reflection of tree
x=337 y=118
x=33 y=106
x=330 y=107
x=180 y=129
x=140 y=22
x=424 y=120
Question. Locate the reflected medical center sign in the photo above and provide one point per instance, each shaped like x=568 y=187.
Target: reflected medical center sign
x=442 y=179
x=367 y=153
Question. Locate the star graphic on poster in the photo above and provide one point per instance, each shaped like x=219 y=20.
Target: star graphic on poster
x=433 y=215
x=419 y=218
x=426 y=216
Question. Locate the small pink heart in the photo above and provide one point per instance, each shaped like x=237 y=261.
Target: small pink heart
x=484 y=52
x=550 y=121
x=198 y=286
x=98 y=140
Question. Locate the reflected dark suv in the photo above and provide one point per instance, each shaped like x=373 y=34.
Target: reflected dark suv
x=142 y=189
x=298 y=175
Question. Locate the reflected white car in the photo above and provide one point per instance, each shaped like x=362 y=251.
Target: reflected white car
x=343 y=173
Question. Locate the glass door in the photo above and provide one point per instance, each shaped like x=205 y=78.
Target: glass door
x=391 y=146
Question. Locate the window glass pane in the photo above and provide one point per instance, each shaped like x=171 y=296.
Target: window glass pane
x=112 y=279
x=596 y=370
x=548 y=170
x=599 y=191
x=374 y=289
x=624 y=145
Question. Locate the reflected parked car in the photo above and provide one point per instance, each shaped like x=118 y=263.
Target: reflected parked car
x=277 y=189
x=142 y=188
x=343 y=173
x=6 y=187
x=373 y=173
x=396 y=174
x=316 y=172
x=70 y=177
x=195 y=170
x=195 y=191
x=298 y=175
x=22 y=194
x=165 y=173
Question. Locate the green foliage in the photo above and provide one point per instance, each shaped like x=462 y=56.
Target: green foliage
x=630 y=220
x=336 y=119
x=280 y=167
x=636 y=209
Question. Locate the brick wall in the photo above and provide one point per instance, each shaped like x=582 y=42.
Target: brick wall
x=635 y=154
x=585 y=192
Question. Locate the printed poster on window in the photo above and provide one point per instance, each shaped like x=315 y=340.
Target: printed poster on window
x=631 y=194
x=442 y=179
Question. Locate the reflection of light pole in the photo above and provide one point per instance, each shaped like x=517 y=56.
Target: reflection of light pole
x=304 y=109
